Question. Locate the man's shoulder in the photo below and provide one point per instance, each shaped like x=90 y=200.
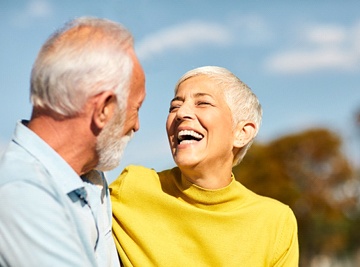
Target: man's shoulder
x=16 y=164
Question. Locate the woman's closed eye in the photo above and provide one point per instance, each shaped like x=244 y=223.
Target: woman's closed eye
x=174 y=107
x=204 y=103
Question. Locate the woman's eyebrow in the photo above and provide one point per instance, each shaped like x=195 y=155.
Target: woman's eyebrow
x=203 y=94
x=177 y=98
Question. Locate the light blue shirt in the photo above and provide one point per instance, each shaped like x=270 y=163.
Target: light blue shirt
x=49 y=216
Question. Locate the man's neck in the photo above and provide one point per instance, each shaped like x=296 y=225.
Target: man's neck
x=71 y=138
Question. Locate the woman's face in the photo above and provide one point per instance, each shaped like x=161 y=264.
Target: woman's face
x=199 y=125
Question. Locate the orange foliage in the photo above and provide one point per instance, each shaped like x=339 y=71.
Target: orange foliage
x=309 y=172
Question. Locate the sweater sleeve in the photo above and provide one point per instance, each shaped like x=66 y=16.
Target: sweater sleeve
x=287 y=252
x=115 y=196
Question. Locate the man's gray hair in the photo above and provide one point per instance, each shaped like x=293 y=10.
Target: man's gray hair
x=84 y=58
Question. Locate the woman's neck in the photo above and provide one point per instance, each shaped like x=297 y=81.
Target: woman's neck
x=208 y=179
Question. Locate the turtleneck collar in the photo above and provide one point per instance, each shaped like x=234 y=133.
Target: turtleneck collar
x=224 y=199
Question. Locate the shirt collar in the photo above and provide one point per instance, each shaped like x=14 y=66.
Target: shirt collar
x=58 y=168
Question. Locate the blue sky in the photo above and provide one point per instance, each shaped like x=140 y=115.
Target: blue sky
x=301 y=58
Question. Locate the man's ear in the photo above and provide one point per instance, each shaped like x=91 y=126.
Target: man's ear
x=104 y=108
x=244 y=132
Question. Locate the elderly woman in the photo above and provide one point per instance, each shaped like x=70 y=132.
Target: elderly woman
x=197 y=214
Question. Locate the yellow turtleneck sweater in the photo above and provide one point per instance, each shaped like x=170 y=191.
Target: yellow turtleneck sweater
x=160 y=219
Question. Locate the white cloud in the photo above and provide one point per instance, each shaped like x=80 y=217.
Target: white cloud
x=35 y=9
x=251 y=29
x=39 y=9
x=323 y=47
x=310 y=60
x=183 y=36
x=326 y=34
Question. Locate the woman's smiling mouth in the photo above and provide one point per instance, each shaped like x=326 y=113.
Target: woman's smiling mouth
x=188 y=136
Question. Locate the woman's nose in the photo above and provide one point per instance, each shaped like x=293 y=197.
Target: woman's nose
x=185 y=112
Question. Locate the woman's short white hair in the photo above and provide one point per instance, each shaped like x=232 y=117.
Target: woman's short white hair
x=84 y=58
x=242 y=102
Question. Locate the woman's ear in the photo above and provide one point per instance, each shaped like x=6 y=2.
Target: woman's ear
x=244 y=132
x=104 y=108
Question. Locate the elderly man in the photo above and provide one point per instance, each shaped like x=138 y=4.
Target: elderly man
x=86 y=89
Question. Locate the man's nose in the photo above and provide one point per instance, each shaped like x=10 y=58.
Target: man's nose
x=137 y=125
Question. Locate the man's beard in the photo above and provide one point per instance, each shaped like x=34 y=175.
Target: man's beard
x=110 y=146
